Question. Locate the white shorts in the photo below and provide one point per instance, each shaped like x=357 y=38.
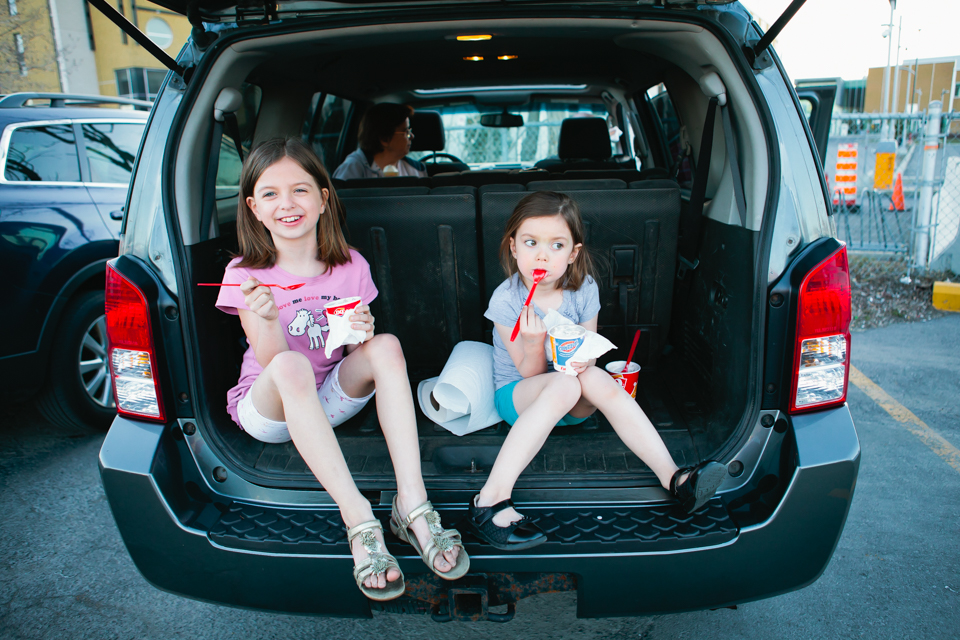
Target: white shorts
x=338 y=406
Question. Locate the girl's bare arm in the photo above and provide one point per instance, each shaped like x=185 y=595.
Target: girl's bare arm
x=261 y=322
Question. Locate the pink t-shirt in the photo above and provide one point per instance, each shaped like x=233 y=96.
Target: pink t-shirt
x=301 y=314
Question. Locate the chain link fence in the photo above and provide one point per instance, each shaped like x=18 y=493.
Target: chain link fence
x=872 y=215
x=945 y=221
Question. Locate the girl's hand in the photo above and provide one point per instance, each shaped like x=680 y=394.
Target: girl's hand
x=532 y=329
x=259 y=299
x=579 y=367
x=362 y=319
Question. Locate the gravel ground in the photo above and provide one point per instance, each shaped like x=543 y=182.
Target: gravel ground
x=881 y=299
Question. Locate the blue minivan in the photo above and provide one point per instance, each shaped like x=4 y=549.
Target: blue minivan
x=65 y=163
x=707 y=210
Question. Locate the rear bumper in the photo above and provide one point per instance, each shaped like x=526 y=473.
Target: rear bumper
x=168 y=517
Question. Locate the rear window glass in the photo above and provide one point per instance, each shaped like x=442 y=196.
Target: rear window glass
x=670 y=125
x=513 y=147
x=228 y=169
x=324 y=126
x=111 y=150
x=43 y=154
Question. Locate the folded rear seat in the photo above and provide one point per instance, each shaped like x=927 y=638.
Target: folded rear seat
x=489 y=176
x=422 y=250
x=631 y=233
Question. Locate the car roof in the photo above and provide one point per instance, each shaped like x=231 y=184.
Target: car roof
x=43 y=114
x=19 y=107
x=224 y=10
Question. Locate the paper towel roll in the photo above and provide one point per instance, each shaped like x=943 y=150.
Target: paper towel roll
x=463 y=391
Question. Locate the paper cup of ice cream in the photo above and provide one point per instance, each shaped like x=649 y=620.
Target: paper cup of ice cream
x=565 y=339
x=341 y=307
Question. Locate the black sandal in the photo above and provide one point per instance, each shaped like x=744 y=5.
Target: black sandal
x=700 y=485
x=522 y=534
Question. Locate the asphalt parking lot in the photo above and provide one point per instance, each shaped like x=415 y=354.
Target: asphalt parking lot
x=895 y=573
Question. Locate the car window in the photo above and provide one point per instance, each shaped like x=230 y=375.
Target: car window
x=228 y=169
x=670 y=125
x=488 y=147
x=111 y=150
x=325 y=125
x=46 y=153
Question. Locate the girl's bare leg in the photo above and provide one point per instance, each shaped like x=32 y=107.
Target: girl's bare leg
x=287 y=391
x=626 y=417
x=379 y=364
x=541 y=401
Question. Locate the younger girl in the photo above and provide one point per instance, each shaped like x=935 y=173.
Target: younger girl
x=546 y=232
x=288 y=224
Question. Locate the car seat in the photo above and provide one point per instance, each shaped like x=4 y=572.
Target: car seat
x=584 y=144
x=428 y=136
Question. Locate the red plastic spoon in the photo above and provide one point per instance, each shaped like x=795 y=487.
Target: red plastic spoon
x=633 y=347
x=538 y=275
x=285 y=287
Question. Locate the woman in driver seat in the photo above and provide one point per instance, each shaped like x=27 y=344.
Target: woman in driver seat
x=384 y=138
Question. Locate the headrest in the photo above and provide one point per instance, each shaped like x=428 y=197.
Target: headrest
x=427 y=131
x=583 y=138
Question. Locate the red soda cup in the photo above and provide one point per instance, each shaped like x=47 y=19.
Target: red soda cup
x=626 y=380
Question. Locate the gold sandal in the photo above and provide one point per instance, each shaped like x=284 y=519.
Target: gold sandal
x=441 y=540
x=377 y=563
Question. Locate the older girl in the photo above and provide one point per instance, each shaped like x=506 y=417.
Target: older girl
x=288 y=225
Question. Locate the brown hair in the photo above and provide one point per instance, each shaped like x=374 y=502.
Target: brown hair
x=541 y=204
x=256 y=244
x=379 y=123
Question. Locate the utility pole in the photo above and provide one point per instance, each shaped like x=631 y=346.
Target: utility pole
x=896 y=77
x=885 y=108
x=931 y=143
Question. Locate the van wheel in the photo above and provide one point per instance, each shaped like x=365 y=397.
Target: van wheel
x=78 y=391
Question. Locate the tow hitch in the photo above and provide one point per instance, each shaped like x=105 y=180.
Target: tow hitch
x=470 y=598
x=469 y=601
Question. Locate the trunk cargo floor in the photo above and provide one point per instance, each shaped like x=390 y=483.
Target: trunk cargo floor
x=591 y=452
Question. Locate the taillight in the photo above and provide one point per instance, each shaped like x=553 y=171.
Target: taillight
x=822 y=354
x=133 y=360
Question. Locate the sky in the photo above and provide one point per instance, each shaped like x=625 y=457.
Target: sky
x=844 y=38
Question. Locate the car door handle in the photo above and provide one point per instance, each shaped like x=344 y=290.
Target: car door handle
x=117 y=215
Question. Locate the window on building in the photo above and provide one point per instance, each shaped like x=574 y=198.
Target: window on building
x=140 y=83
x=159 y=31
x=111 y=150
x=123 y=34
x=21 y=53
x=154 y=79
x=43 y=154
x=12 y=5
x=956 y=90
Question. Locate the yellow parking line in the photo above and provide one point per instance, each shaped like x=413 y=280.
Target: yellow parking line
x=916 y=426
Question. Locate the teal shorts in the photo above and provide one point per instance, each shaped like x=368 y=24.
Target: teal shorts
x=503 y=399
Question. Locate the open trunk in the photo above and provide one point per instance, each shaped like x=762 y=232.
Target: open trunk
x=432 y=244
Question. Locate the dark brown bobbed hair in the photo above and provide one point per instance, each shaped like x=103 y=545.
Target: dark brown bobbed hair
x=256 y=243
x=543 y=204
x=379 y=123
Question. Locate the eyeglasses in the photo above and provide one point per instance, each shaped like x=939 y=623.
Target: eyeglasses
x=407 y=132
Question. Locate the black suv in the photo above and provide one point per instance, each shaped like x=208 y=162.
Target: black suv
x=706 y=206
x=66 y=162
